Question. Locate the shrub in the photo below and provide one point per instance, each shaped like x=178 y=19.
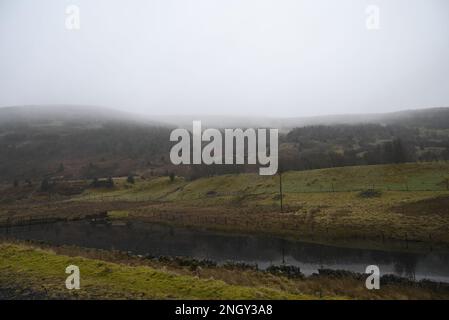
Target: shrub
x=370 y=193
x=45 y=185
x=286 y=270
x=108 y=183
x=130 y=179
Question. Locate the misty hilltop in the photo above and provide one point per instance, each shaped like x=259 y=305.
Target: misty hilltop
x=429 y=117
x=88 y=142
x=59 y=115
x=63 y=115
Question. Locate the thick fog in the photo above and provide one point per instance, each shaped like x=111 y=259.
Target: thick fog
x=236 y=57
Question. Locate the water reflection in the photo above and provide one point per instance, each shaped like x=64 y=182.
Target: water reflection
x=145 y=238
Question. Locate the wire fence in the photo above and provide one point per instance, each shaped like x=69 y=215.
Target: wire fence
x=288 y=188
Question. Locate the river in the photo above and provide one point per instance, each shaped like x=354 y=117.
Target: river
x=154 y=239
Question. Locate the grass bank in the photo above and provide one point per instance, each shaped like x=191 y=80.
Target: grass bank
x=31 y=271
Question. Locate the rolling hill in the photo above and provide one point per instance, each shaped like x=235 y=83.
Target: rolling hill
x=87 y=142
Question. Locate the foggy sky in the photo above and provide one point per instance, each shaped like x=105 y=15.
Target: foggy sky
x=236 y=57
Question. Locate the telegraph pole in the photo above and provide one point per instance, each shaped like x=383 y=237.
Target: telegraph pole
x=280 y=189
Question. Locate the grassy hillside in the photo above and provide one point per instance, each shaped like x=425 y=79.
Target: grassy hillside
x=42 y=272
x=324 y=204
x=408 y=211
x=409 y=207
x=400 y=177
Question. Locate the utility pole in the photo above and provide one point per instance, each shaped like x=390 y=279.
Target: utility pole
x=280 y=189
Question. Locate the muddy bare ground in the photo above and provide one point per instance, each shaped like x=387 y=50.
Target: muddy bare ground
x=66 y=210
x=433 y=206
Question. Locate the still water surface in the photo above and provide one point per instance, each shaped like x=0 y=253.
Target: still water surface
x=153 y=239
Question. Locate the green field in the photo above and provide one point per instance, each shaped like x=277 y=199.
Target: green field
x=408 y=211
x=401 y=177
x=319 y=205
x=410 y=205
